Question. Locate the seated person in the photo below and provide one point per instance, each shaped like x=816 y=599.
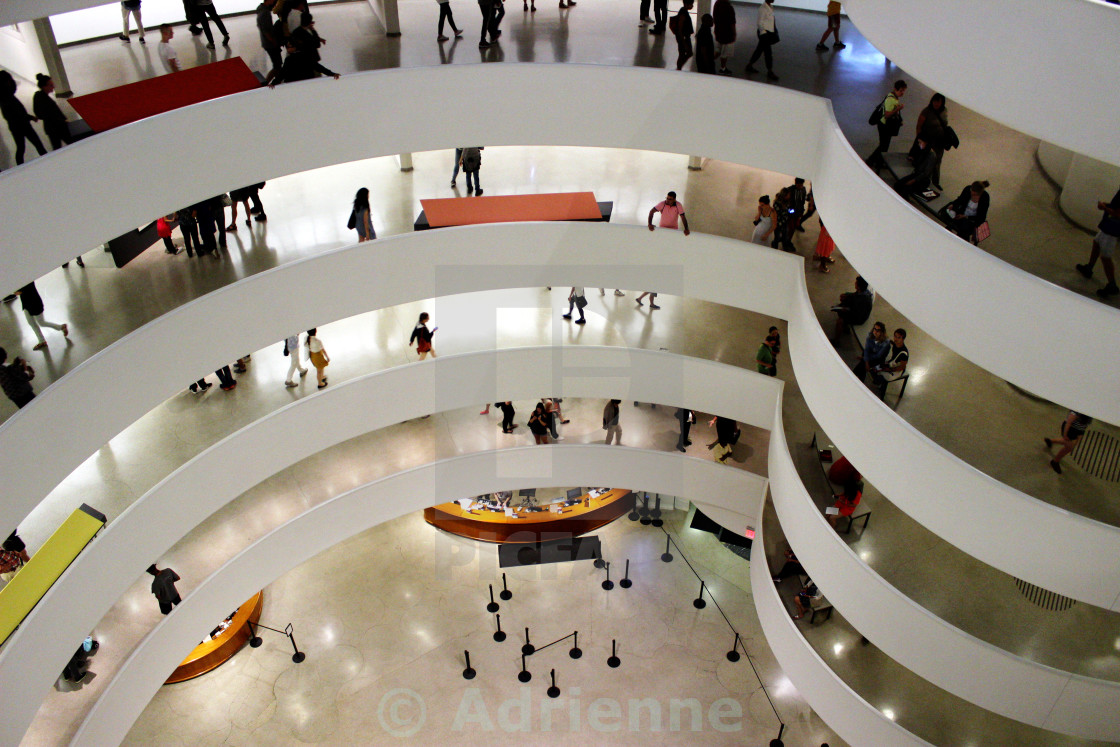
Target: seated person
x=874 y=350
x=854 y=308
x=919 y=179
x=841 y=471
x=804 y=599
x=791 y=567
x=893 y=365
x=968 y=211
x=847 y=501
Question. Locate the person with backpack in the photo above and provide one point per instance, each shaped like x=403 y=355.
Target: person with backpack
x=887 y=118
x=681 y=26
x=471 y=161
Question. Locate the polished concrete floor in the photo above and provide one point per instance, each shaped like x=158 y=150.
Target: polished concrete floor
x=304 y=220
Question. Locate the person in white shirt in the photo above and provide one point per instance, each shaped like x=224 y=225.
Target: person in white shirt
x=291 y=349
x=767 y=37
x=167 y=52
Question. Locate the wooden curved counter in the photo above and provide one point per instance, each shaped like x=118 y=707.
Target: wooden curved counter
x=215 y=652
x=531 y=526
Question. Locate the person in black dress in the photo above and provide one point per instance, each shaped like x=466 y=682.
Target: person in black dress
x=46 y=109
x=19 y=121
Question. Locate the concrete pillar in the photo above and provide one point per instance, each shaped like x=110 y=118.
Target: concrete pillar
x=406 y=161
x=386 y=12
x=694 y=163
x=49 y=47
x=1082 y=181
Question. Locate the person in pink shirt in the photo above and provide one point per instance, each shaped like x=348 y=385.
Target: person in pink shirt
x=672 y=213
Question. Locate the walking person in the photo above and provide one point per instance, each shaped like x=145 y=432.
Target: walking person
x=131 y=9
x=486 y=8
x=271 y=43
x=206 y=11
x=318 y=356
x=576 y=300
x=190 y=11
x=47 y=110
x=763 y=222
x=682 y=29
x=706 y=46
x=767 y=37
x=610 y=422
x=538 y=424
x=291 y=349
x=1073 y=428
x=471 y=161
x=19 y=121
x=723 y=18
x=15 y=379
x=359 y=216
x=163 y=230
x=889 y=123
x=685 y=418
x=189 y=227
x=555 y=417
x=239 y=196
x=422 y=336
x=1104 y=245
x=163 y=586
x=458 y=165
x=33 y=309
x=507 y=416
x=765 y=359
x=660 y=17
x=445 y=15
x=833 y=14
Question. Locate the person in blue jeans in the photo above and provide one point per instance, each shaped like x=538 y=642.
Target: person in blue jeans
x=471 y=159
x=458 y=163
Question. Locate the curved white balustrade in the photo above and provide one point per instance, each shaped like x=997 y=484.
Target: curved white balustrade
x=936 y=487
x=173 y=508
x=341 y=517
x=845 y=712
x=31 y=660
x=943 y=654
x=1036 y=66
x=986 y=310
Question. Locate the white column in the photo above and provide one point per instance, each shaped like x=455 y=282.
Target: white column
x=694 y=163
x=49 y=48
x=386 y=12
x=1082 y=181
x=406 y=164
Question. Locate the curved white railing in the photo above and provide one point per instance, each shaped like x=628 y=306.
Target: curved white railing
x=843 y=709
x=947 y=656
x=362 y=508
x=1035 y=66
x=997 y=316
x=936 y=487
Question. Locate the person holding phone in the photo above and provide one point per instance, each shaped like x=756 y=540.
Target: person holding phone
x=422 y=336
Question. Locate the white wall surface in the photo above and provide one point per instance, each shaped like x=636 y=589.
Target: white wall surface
x=1044 y=67
x=1000 y=318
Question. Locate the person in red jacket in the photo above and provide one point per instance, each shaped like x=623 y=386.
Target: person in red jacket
x=163 y=230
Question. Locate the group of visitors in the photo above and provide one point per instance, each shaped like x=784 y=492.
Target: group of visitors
x=45 y=109
x=775 y=224
x=203 y=225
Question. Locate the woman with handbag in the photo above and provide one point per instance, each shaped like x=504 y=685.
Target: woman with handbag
x=767 y=38
x=763 y=222
x=422 y=336
x=318 y=356
x=360 y=220
x=576 y=300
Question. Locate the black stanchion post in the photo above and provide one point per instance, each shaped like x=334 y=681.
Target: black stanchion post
x=608 y=584
x=699 y=602
x=468 y=673
x=656 y=513
x=255 y=641
x=644 y=511
x=524 y=675
x=575 y=653
x=626 y=583
x=528 y=648
x=499 y=634
x=633 y=515
x=493 y=606
x=554 y=691
x=613 y=662
x=733 y=654
x=667 y=556
x=298 y=656
x=506 y=594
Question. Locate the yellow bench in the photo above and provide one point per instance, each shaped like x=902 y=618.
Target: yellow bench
x=28 y=586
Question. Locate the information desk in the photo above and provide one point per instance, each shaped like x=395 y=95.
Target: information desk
x=221 y=647
x=526 y=525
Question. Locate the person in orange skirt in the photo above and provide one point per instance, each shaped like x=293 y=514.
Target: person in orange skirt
x=825 y=245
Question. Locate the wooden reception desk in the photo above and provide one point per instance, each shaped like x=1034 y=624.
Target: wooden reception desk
x=215 y=652
x=531 y=526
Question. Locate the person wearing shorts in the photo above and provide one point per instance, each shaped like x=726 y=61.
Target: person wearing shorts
x=724 y=16
x=1104 y=246
x=1073 y=428
x=833 y=13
